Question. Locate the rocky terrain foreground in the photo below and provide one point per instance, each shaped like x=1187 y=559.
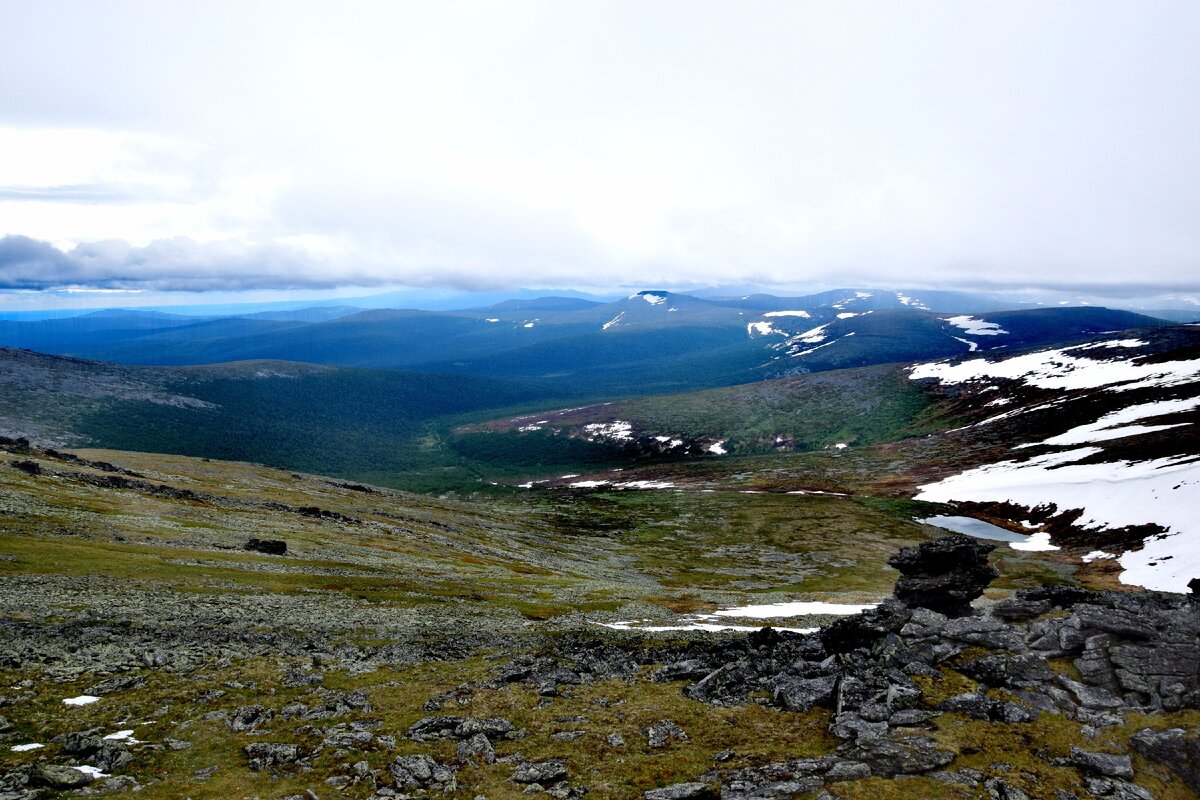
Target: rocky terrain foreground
x=1055 y=692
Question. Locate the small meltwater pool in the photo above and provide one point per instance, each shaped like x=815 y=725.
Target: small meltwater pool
x=979 y=529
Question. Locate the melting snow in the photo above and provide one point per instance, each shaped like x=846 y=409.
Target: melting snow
x=968 y=343
x=848 y=314
x=492 y=319
x=717 y=448
x=1111 y=495
x=813 y=336
x=975 y=327
x=123 y=736
x=804 y=314
x=653 y=299
x=24 y=748
x=621 y=431
x=82 y=700
x=1115 y=424
x=88 y=769
x=762 y=328
x=1096 y=554
x=909 y=301
x=795 y=609
x=1058 y=369
x=712 y=623
x=1037 y=542
x=612 y=321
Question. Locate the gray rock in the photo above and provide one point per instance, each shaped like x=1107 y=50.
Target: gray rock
x=1173 y=748
x=847 y=771
x=614 y=740
x=56 y=777
x=422 y=771
x=682 y=791
x=249 y=718
x=266 y=755
x=477 y=748
x=1001 y=789
x=1116 y=789
x=805 y=693
x=1111 y=766
x=911 y=717
x=908 y=755
x=542 y=773
x=662 y=732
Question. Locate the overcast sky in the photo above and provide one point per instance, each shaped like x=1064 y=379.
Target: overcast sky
x=225 y=146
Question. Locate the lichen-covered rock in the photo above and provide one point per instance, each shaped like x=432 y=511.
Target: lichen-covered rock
x=266 y=755
x=1175 y=749
x=683 y=791
x=422 y=771
x=542 y=773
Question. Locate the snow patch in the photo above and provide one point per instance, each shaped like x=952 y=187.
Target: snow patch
x=848 y=314
x=1059 y=369
x=795 y=609
x=25 y=748
x=88 y=769
x=1115 y=424
x=617 y=429
x=975 y=327
x=1111 y=495
x=968 y=343
x=718 y=448
x=803 y=314
x=1096 y=555
x=612 y=321
x=761 y=328
x=81 y=700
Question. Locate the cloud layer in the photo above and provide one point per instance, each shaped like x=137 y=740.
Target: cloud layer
x=475 y=145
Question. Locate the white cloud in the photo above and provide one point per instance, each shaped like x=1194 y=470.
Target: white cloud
x=617 y=143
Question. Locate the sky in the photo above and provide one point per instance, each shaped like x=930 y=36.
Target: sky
x=221 y=148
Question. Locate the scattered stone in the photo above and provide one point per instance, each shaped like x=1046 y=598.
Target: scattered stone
x=423 y=772
x=266 y=755
x=614 y=740
x=662 y=732
x=477 y=748
x=249 y=718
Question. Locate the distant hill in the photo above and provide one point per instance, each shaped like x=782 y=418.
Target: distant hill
x=376 y=425
x=649 y=342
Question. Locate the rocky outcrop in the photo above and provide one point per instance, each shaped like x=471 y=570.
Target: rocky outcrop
x=273 y=547
x=944 y=575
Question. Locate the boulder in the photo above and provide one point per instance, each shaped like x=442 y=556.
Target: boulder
x=56 y=777
x=1106 y=764
x=542 y=773
x=273 y=547
x=1173 y=748
x=944 y=575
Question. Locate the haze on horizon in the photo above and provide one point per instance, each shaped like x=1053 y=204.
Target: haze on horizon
x=309 y=147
